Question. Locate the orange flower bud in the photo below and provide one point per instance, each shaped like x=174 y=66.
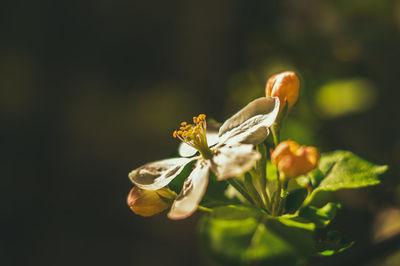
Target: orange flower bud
x=294 y=160
x=285 y=86
x=149 y=202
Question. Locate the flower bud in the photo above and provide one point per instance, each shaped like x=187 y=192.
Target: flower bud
x=149 y=202
x=285 y=86
x=294 y=160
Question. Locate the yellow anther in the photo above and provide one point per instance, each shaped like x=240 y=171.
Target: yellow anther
x=195 y=134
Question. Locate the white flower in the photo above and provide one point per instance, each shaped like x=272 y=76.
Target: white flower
x=230 y=155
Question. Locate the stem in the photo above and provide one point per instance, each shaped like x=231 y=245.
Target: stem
x=239 y=187
x=260 y=175
x=204 y=209
x=248 y=182
x=278 y=194
x=283 y=196
x=266 y=199
x=260 y=185
x=275 y=133
x=269 y=200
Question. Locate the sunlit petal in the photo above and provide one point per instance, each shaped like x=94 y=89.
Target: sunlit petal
x=155 y=175
x=192 y=192
x=233 y=161
x=261 y=106
x=252 y=131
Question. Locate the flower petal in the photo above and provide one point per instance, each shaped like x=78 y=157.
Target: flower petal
x=261 y=106
x=232 y=161
x=192 y=192
x=186 y=150
x=252 y=131
x=155 y=175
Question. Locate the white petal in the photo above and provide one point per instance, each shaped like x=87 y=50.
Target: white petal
x=212 y=138
x=192 y=192
x=252 y=131
x=188 y=151
x=233 y=161
x=155 y=175
x=261 y=106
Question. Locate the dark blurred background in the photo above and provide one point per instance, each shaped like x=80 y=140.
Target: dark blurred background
x=90 y=90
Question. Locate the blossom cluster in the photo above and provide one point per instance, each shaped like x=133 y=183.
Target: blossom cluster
x=230 y=153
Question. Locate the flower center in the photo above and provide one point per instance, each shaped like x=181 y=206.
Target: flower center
x=195 y=135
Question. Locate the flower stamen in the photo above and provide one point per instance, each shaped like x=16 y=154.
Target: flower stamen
x=195 y=135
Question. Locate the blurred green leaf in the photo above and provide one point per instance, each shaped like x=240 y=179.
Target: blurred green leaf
x=316 y=176
x=333 y=243
x=290 y=222
x=321 y=217
x=342 y=97
x=344 y=170
x=238 y=235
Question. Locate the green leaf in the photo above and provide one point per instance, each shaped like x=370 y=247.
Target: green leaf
x=316 y=177
x=344 y=170
x=290 y=222
x=295 y=199
x=332 y=244
x=321 y=217
x=236 y=212
x=238 y=235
